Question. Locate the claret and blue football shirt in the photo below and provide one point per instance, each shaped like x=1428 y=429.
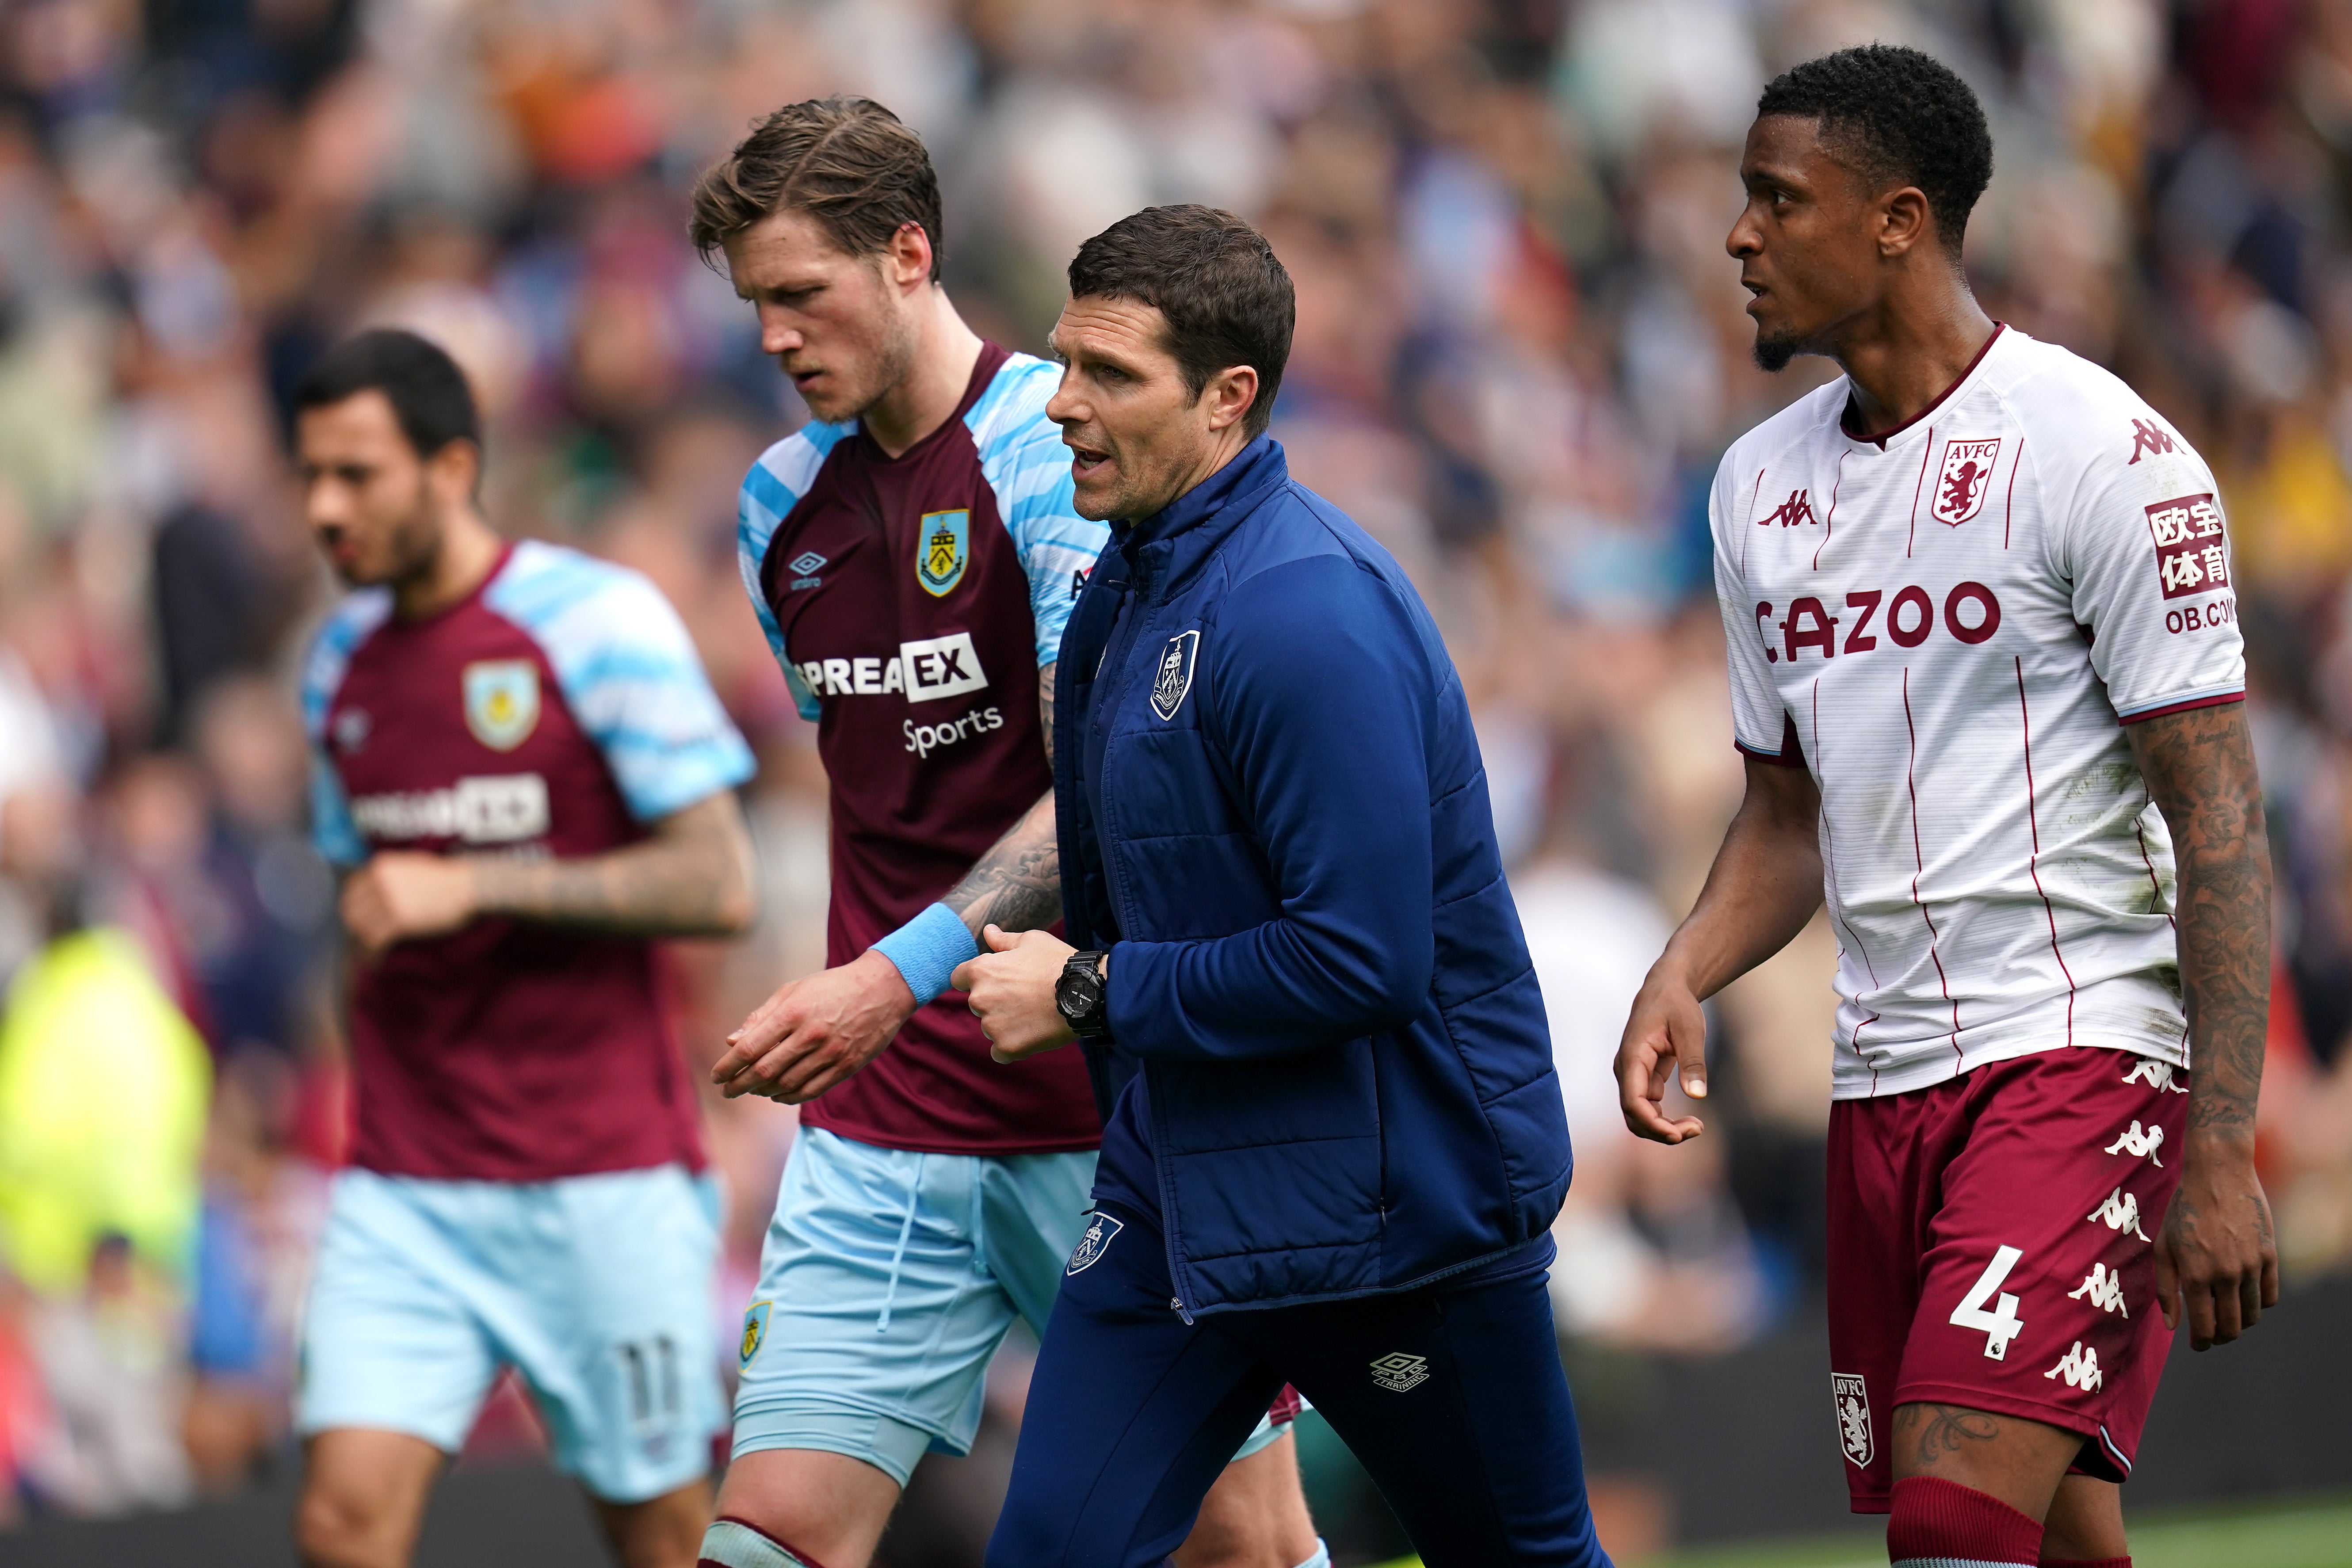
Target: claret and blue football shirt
x=912 y=601
x=559 y=709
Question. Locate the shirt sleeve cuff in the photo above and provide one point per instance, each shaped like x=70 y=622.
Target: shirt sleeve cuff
x=927 y=950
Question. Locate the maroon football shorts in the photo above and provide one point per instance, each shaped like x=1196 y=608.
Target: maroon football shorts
x=1992 y=1244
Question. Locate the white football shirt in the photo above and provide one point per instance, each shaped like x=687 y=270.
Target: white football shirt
x=1949 y=624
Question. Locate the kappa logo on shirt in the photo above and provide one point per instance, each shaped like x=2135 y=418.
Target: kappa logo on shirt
x=2080 y=1368
x=2158 y=1074
x=2119 y=1211
x=2149 y=438
x=2102 y=1289
x=350 y=730
x=2139 y=1144
x=1794 y=513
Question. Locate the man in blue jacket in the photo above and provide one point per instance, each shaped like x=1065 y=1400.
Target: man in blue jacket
x=1334 y=1142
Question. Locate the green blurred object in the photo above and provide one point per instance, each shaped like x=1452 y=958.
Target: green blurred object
x=103 y=1087
x=1348 y=1507
x=2309 y=1532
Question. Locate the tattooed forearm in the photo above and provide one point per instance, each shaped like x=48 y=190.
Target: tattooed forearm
x=2199 y=767
x=1941 y=1429
x=692 y=878
x=1018 y=883
x=1045 y=708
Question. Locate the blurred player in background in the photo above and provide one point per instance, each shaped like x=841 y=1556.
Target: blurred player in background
x=913 y=554
x=1985 y=667
x=525 y=776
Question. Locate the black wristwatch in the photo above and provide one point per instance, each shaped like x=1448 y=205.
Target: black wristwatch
x=1080 y=997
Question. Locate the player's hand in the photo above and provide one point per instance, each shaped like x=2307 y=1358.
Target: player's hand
x=400 y=895
x=2216 y=1257
x=1012 y=986
x=1666 y=1029
x=815 y=1032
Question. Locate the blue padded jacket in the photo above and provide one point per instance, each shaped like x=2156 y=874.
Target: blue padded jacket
x=1315 y=959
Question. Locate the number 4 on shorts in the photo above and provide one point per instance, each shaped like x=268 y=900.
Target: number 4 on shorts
x=2002 y=1324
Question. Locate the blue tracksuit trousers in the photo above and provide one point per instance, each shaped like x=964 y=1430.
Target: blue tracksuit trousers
x=1452 y=1399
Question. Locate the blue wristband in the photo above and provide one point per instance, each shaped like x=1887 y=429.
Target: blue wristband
x=927 y=949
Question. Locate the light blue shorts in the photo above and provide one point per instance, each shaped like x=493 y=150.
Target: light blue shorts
x=597 y=1289
x=888 y=1281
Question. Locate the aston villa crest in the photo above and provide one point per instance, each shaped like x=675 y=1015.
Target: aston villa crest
x=1852 y=1417
x=1966 y=480
x=1175 y=676
x=1100 y=1229
x=941 y=548
x=501 y=701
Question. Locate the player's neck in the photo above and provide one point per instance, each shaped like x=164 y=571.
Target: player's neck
x=1909 y=352
x=927 y=395
x=467 y=552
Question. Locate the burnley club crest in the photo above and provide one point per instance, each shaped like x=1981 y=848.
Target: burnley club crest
x=1175 y=676
x=501 y=701
x=1100 y=1229
x=941 y=548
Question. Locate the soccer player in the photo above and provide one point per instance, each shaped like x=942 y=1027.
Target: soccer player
x=1986 y=672
x=1339 y=1143
x=913 y=554
x=524 y=775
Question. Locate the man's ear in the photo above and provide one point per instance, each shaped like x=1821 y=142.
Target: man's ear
x=908 y=256
x=1230 y=394
x=1904 y=221
x=455 y=473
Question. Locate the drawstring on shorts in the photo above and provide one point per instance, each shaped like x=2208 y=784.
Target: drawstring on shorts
x=899 y=1253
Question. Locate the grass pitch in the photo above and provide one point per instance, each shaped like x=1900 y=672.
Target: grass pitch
x=2309 y=1532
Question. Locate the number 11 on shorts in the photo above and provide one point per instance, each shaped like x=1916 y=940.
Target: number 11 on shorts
x=2002 y=1324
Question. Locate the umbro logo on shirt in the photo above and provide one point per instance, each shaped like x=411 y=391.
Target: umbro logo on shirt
x=804 y=568
x=1400 y=1373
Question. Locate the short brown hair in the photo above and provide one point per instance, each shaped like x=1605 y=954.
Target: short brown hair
x=1224 y=291
x=848 y=163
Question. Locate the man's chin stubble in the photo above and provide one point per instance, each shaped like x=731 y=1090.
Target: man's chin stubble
x=1773 y=355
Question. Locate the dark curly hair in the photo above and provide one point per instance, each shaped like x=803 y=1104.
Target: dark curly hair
x=1897 y=117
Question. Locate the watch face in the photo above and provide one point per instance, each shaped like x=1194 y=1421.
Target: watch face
x=1076 y=993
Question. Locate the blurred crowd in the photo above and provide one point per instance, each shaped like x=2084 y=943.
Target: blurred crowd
x=1520 y=349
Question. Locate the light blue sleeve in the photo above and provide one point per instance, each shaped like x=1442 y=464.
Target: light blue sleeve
x=773 y=487
x=332 y=831
x=629 y=674
x=1022 y=454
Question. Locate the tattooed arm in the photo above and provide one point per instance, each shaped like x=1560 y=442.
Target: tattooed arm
x=815 y=1032
x=2216 y=1249
x=692 y=878
x=1018 y=883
